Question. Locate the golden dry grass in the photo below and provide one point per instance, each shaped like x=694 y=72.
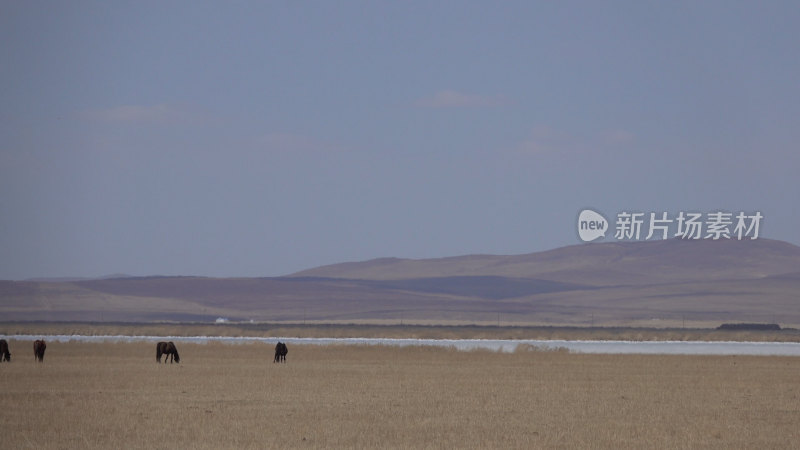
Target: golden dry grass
x=88 y=395
x=396 y=331
x=389 y=331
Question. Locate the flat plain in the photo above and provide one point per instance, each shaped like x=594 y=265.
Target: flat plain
x=115 y=395
x=270 y=330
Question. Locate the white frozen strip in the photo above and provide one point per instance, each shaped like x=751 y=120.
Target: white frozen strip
x=504 y=345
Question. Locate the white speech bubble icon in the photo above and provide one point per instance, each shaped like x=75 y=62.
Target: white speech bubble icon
x=591 y=225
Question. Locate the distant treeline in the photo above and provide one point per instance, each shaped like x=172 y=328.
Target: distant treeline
x=749 y=326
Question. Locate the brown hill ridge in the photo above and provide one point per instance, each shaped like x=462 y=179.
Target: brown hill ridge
x=705 y=282
x=601 y=264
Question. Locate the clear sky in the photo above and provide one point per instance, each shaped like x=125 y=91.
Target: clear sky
x=262 y=138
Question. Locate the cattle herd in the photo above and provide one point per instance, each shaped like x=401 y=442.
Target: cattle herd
x=165 y=349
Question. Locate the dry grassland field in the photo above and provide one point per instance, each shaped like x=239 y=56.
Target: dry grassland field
x=396 y=331
x=115 y=395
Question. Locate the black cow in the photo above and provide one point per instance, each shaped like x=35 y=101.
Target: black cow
x=280 y=352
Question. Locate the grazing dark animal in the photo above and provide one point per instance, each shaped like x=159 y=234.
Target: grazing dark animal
x=169 y=351
x=4 y=353
x=38 y=349
x=280 y=352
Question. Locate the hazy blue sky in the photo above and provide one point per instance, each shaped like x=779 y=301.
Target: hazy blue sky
x=259 y=139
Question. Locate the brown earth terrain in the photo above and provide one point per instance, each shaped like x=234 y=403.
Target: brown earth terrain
x=104 y=395
x=670 y=283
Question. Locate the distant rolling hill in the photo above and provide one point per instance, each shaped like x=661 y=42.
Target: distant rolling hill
x=602 y=264
x=605 y=283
